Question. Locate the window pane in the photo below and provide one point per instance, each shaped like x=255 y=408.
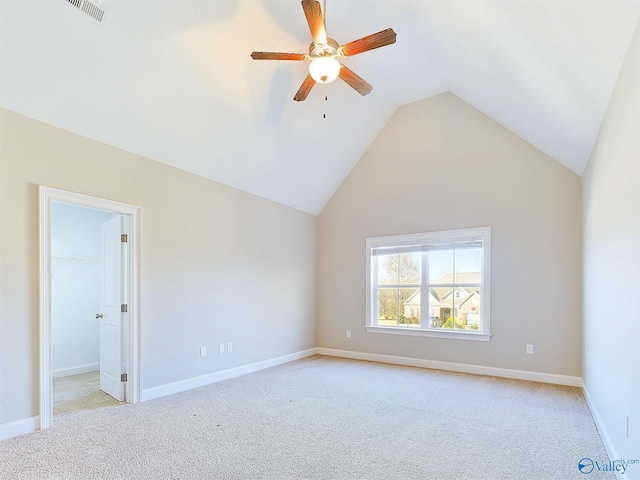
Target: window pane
x=387 y=269
x=409 y=266
x=441 y=266
x=435 y=304
x=469 y=310
x=410 y=300
x=459 y=296
x=468 y=265
x=446 y=310
x=388 y=306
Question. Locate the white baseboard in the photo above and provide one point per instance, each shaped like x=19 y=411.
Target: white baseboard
x=77 y=370
x=606 y=440
x=456 y=367
x=32 y=424
x=200 y=381
x=19 y=427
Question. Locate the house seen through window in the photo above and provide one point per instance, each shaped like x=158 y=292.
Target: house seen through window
x=430 y=284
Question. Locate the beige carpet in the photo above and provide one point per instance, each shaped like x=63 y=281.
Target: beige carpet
x=324 y=418
x=79 y=392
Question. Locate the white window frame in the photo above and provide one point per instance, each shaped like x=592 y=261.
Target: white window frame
x=427 y=241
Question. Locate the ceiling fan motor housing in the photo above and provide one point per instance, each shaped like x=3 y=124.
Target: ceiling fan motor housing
x=329 y=49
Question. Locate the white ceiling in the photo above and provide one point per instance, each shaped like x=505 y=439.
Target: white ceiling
x=173 y=80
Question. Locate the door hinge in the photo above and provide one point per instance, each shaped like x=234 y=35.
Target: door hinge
x=123 y=308
x=124 y=238
x=123 y=377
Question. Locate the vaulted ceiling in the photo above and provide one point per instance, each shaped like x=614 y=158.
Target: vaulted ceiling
x=173 y=80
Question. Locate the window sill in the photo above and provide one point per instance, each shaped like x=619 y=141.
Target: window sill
x=457 y=335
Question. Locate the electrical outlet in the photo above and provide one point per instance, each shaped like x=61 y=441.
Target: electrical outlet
x=203 y=351
x=229 y=347
x=221 y=348
x=348 y=333
x=529 y=349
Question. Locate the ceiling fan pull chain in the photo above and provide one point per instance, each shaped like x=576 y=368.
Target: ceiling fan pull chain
x=326 y=99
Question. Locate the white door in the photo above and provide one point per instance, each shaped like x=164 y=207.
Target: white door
x=111 y=316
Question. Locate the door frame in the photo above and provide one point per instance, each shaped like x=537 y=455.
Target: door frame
x=132 y=348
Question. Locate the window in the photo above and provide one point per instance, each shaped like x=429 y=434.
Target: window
x=430 y=284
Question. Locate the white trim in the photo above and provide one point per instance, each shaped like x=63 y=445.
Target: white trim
x=415 y=332
x=47 y=196
x=29 y=425
x=606 y=440
x=77 y=370
x=456 y=367
x=427 y=239
x=19 y=427
x=202 y=380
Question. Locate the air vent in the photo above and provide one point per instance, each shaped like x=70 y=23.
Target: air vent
x=92 y=9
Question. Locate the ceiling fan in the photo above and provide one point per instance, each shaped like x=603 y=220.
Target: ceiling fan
x=324 y=53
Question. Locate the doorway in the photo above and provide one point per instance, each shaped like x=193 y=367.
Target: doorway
x=89 y=298
x=79 y=274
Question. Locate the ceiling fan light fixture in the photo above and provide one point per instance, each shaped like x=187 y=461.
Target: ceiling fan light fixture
x=324 y=53
x=324 y=69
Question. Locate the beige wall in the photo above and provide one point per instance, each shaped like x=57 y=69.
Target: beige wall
x=440 y=164
x=218 y=265
x=611 y=236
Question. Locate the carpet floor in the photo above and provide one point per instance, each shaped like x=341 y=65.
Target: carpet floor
x=324 y=418
x=79 y=392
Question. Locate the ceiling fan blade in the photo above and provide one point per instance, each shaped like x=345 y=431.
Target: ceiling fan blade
x=278 y=56
x=357 y=83
x=313 y=12
x=364 y=44
x=304 y=89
